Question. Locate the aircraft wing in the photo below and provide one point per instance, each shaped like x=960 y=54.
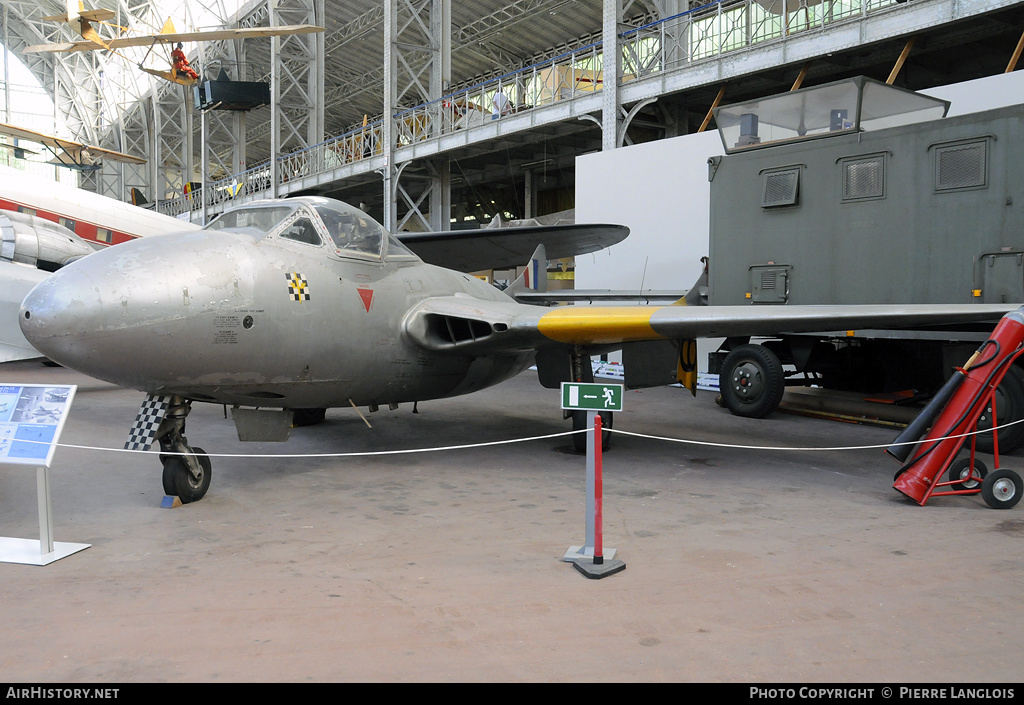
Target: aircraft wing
x=590 y=296
x=486 y=326
x=504 y=248
x=146 y=40
x=73 y=150
x=62 y=47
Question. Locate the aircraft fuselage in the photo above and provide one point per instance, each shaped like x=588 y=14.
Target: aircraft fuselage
x=227 y=318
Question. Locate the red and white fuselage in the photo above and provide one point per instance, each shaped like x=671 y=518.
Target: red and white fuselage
x=90 y=216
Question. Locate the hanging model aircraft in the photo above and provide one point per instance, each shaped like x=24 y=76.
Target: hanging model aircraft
x=69 y=153
x=83 y=23
x=283 y=309
x=45 y=225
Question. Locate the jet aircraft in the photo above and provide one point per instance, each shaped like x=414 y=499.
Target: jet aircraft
x=284 y=308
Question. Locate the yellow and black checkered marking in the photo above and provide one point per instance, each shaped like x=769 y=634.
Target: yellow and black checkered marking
x=298 y=287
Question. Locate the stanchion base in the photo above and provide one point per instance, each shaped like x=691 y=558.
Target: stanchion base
x=596 y=571
x=28 y=551
x=575 y=552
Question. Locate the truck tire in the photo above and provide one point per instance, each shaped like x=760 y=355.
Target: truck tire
x=752 y=381
x=1009 y=398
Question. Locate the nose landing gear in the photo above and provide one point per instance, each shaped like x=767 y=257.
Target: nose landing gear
x=187 y=473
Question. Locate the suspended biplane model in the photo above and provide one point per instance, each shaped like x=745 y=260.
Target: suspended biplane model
x=66 y=152
x=83 y=23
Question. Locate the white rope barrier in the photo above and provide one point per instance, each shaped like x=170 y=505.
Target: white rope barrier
x=527 y=440
x=812 y=448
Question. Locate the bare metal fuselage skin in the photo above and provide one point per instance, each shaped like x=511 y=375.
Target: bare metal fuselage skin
x=230 y=318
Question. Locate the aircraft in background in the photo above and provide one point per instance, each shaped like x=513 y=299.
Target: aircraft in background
x=285 y=308
x=45 y=225
x=69 y=153
x=83 y=23
x=97 y=219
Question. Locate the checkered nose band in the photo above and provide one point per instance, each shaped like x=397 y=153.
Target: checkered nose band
x=151 y=413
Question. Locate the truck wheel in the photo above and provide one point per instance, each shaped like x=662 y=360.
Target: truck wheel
x=752 y=381
x=1009 y=400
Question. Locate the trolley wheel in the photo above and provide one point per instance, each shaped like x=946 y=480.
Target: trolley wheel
x=961 y=470
x=1009 y=401
x=752 y=381
x=1002 y=489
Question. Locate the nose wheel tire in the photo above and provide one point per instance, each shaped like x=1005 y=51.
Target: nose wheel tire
x=752 y=381
x=179 y=481
x=1002 y=489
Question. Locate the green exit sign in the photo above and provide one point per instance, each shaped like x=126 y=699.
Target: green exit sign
x=592 y=397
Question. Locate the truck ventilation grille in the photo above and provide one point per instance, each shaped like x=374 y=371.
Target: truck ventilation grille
x=960 y=166
x=863 y=178
x=780 y=188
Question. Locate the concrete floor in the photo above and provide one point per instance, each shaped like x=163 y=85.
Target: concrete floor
x=742 y=565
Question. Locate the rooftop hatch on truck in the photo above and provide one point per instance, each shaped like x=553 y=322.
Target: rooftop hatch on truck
x=841 y=107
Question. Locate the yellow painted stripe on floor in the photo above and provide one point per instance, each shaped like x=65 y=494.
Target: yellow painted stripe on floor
x=598 y=324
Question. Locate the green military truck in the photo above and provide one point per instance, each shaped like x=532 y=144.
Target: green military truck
x=857 y=192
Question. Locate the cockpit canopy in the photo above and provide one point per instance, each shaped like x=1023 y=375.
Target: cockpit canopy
x=314 y=220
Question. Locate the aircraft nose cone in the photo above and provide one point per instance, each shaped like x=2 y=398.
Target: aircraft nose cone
x=58 y=309
x=128 y=313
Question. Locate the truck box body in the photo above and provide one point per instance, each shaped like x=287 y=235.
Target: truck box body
x=858 y=193
x=926 y=213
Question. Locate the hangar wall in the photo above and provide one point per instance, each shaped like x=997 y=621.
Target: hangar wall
x=660 y=190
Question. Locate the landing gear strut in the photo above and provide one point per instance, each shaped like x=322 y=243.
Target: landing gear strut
x=186 y=476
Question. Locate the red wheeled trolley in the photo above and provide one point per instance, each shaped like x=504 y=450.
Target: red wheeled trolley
x=954 y=414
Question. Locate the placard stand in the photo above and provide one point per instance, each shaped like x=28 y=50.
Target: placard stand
x=31 y=420
x=45 y=550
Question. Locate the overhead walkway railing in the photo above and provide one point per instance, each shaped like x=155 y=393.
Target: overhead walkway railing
x=714 y=29
x=674 y=43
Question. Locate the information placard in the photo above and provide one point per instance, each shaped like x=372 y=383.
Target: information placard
x=31 y=420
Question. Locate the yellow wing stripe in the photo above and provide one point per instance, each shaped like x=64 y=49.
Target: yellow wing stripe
x=599 y=324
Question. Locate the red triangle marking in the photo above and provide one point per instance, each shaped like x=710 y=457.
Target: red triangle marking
x=367 y=296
